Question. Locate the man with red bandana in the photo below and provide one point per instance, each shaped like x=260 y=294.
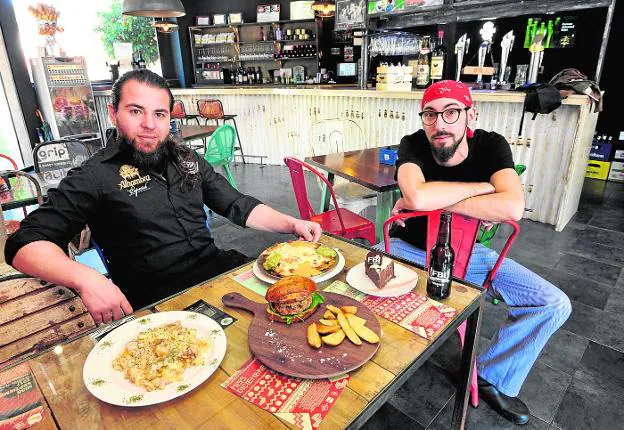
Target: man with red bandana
x=447 y=165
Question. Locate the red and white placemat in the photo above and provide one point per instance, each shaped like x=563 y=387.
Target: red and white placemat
x=301 y=402
x=412 y=311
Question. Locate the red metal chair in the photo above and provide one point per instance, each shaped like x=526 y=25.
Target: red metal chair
x=179 y=112
x=212 y=110
x=338 y=221
x=464 y=232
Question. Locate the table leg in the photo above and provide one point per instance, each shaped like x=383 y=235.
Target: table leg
x=325 y=194
x=385 y=202
x=473 y=324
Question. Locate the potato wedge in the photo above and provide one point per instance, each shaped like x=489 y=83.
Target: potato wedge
x=355 y=320
x=349 y=309
x=334 y=309
x=365 y=333
x=327 y=329
x=334 y=339
x=329 y=315
x=346 y=327
x=329 y=322
x=314 y=339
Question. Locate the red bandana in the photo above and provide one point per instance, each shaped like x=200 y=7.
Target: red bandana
x=451 y=90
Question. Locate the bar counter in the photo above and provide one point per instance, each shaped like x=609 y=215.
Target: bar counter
x=277 y=122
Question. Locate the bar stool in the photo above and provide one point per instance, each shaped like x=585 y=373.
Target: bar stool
x=212 y=109
x=179 y=112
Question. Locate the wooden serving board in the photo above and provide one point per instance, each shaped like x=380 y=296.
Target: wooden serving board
x=284 y=348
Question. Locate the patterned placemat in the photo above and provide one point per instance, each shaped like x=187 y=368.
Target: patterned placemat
x=301 y=402
x=412 y=311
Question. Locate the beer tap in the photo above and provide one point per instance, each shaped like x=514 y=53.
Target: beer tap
x=506 y=46
x=487 y=33
x=461 y=48
x=537 y=55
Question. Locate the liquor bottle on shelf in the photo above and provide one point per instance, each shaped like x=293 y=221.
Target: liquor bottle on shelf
x=422 y=68
x=438 y=59
x=262 y=35
x=259 y=75
x=245 y=77
x=278 y=33
x=271 y=33
x=251 y=76
x=234 y=75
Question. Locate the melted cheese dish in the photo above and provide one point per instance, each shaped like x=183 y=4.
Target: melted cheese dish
x=297 y=258
x=160 y=355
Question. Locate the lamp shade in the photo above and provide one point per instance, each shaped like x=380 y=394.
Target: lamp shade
x=324 y=8
x=154 y=8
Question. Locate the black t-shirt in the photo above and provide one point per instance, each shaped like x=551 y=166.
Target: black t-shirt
x=488 y=152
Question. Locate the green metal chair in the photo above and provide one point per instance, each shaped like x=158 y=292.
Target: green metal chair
x=220 y=150
x=485 y=236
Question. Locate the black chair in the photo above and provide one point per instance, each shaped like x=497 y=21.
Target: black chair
x=60 y=155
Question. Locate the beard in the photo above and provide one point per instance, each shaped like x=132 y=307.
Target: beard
x=445 y=153
x=145 y=160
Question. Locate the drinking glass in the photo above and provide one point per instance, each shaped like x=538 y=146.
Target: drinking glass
x=521 y=75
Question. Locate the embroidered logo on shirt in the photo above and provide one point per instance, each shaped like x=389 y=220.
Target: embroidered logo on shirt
x=132 y=181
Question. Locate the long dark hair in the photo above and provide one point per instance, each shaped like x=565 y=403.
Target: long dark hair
x=143 y=76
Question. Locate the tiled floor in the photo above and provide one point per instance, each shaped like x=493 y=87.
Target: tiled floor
x=578 y=381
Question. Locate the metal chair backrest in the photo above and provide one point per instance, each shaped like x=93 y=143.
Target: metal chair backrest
x=59 y=155
x=330 y=136
x=297 y=176
x=210 y=109
x=178 y=111
x=220 y=146
x=464 y=232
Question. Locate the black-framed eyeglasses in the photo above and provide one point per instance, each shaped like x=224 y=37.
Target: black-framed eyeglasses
x=450 y=116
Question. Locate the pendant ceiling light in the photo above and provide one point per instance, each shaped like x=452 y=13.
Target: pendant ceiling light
x=324 y=8
x=164 y=26
x=154 y=8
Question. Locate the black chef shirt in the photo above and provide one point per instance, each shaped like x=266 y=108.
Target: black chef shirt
x=151 y=229
x=488 y=152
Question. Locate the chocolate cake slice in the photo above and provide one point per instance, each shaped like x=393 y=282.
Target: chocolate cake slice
x=379 y=269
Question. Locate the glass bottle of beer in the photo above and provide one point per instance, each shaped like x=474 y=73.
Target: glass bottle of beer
x=441 y=260
x=438 y=59
x=422 y=68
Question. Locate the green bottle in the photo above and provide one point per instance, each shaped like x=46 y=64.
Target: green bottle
x=527 y=35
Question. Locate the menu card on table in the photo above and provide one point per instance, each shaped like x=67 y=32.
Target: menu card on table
x=20 y=399
x=412 y=311
x=301 y=402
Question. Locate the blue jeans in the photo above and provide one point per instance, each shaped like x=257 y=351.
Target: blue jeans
x=536 y=310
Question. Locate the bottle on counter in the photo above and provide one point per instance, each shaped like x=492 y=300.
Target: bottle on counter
x=441 y=261
x=262 y=35
x=141 y=61
x=234 y=76
x=423 y=66
x=438 y=59
x=245 y=77
x=251 y=76
x=259 y=75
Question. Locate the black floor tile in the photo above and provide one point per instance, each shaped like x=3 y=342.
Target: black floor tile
x=615 y=303
x=611 y=219
x=564 y=351
x=583 y=320
x=389 y=417
x=610 y=331
x=602 y=368
x=595 y=270
x=543 y=390
x=585 y=407
x=601 y=236
x=484 y=418
x=598 y=252
x=581 y=289
x=424 y=394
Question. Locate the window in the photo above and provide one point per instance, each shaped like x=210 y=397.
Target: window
x=80 y=37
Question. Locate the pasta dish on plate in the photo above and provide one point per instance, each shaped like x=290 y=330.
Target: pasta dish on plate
x=160 y=355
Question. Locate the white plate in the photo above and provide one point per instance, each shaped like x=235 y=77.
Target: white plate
x=320 y=278
x=110 y=386
x=404 y=281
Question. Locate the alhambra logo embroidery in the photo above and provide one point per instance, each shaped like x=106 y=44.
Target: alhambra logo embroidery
x=132 y=181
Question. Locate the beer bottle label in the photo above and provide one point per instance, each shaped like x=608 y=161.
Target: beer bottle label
x=422 y=74
x=437 y=64
x=439 y=277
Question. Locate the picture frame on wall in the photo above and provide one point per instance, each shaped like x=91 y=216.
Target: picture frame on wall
x=219 y=19
x=301 y=10
x=350 y=14
x=203 y=20
x=335 y=50
x=235 y=18
x=268 y=12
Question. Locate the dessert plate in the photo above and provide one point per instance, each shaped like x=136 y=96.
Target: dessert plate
x=404 y=281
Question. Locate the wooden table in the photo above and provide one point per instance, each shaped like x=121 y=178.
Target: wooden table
x=192 y=132
x=401 y=353
x=363 y=167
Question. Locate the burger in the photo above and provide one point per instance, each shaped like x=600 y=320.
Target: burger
x=292 y=299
